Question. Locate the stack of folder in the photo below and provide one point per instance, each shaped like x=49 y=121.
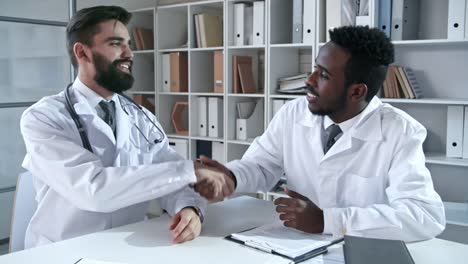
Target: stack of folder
x=143 y=38
x=209 y=30
x=293 y=84
x=401 y=83
x=249 y=23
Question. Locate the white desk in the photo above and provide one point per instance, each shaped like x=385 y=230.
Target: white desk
x=150 y=242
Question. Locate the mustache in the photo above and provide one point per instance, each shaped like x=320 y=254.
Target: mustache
x=311 y=90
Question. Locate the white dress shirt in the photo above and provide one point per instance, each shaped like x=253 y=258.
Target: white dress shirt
x=79 y=192
x=373 y=182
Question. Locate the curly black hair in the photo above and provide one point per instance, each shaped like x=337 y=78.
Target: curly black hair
x=371 y=52
x=84 y=25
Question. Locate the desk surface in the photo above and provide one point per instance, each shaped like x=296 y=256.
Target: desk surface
x=150 y=242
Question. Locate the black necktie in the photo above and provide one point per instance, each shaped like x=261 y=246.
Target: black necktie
x=108 y=109
x=333 y=131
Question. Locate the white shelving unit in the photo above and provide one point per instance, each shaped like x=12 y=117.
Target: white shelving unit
x=439 y=65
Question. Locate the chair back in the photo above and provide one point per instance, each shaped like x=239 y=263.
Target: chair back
x=24 y=206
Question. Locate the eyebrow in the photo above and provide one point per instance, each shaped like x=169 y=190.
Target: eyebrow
x=322 y=68
x=109 y=39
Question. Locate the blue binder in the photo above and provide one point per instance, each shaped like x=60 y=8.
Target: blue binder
x=385 y=16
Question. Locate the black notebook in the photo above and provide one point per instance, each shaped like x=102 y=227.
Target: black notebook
x=360 y=250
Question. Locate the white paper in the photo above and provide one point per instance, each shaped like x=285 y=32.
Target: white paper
x=93 y=261
x=284 y=240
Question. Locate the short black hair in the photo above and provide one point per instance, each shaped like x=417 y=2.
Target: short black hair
x=371 y=51
x=84 y=25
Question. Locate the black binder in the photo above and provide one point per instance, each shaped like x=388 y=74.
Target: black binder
x=360 y=250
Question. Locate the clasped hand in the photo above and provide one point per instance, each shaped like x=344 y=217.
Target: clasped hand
x=214 y=181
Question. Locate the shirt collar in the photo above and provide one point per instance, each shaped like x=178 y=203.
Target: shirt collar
x=345 y=126
x=90 y=95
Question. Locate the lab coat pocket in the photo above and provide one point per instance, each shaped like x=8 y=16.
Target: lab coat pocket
x=362 y=191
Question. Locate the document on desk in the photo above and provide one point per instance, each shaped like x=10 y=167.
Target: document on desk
x=277 y=239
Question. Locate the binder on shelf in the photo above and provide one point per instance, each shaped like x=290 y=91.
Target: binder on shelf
x=239 y=14
x=166 y=73
x=308 y=32
x=297 y=21
x=246 y=78
x=203 y=148
x=456 y=19
x=385 y=16
x=276 y=105
x=235 y=77
x=197 y=30
x=202 y=116
x=455 y=118
x=259 y=23
x=465 y=134
x=217 y=151
x=248 y=25
x=218 y=57
x=136 y=39
x=249 y=128
x=179 y=72
x=211 y=30
x=405 y=19
x=180 y=146
x=215 y=117
x=363 y=21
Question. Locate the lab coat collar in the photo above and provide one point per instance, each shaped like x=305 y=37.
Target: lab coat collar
x=85 y=102
x=367 y=127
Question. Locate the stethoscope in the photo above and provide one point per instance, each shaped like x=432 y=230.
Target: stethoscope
x=82 y=131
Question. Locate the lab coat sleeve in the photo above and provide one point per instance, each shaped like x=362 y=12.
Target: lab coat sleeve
x=414 y=210
x=176 y=201
x=59 y=160
x=261 y=167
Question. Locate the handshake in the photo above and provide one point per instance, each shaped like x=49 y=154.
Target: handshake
x=214 y=181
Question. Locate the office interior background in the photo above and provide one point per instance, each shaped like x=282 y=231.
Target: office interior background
x=168 y=45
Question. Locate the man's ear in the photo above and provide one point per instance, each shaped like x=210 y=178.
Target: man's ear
x=82 y=52
x=358 y=92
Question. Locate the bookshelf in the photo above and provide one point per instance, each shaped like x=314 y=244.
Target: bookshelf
x=439 y=64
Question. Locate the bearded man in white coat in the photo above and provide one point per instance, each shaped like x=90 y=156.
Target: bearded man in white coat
x=354 y=165
x=104 y=177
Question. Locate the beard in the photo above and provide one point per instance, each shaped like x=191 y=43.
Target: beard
x=109 y=76
x=331 y=108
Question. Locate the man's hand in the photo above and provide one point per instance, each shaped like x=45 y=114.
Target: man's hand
x=185 y=225
x=300 y=213
x=215 y=181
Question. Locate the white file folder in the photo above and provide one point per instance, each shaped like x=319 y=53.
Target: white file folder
x=217 y=151
x=248 y=25
x=405 y=19
x=465 y=135
x=333 y=15
x=455 y=131
x=215 y=117
x=251 y=127
x=277 y=104
x=202 y=116
x=259 y=23
x=456 y=19
x=297 y=21
x=166 y=73
x=239 y=14
x=308 y=33
x=180 y=146
x=385 y=16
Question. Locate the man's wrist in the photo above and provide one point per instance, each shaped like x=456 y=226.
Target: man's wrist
x=197 y=211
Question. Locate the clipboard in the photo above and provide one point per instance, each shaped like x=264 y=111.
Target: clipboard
x=273 y=249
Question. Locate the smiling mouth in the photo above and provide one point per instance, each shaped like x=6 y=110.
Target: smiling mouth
x=125 y=66
x=311 y=92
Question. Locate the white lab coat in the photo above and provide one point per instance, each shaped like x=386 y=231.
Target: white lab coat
x=79 y=192
x=373 y=182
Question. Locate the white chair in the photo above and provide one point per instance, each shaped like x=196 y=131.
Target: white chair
x=24 y=207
